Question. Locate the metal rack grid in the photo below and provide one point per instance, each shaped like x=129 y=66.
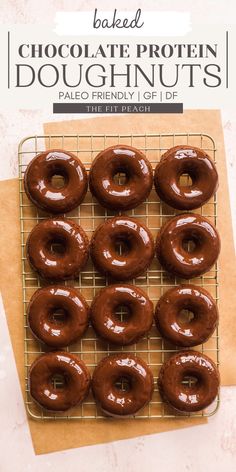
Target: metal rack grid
x=155 y=281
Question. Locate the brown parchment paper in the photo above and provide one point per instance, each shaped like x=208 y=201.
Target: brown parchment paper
x=55 y=436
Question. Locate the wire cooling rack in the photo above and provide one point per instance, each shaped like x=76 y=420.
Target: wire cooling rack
x=153 y=349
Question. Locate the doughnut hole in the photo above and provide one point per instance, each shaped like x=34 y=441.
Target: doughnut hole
x=185 y=317
x=58 y=381
x=58 y=181
x=57 y=246
x=57 y=178
x=191 y=243
x=123 y=313
x=123 y=384
x=191 y=381
x=185 y=180
x=121 y=177
x=58 y=316
x=122 y=246
x=187 y=177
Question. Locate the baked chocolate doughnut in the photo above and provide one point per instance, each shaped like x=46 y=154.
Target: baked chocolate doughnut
x=38 y=181
x=66 y=365
x=194 y=299
x=126 y=160
x=135 y=240
x=106 y=322
x=197 y=164
x=50 y=329
x=174 y=238
x=57 y=249
x=182 y=366
x=122 y=384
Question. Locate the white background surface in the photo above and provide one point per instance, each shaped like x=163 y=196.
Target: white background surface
x=210 y=447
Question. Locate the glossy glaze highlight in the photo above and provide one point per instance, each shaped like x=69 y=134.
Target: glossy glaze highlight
x=138 y=252
x=76 y=380
x=73 y=249
x=194 y=299
x=54 y=331
x=107 y=324
x=38 y=181
x=120 y=159
x=172 y=252
x=114 y=401
x=185 y=160
x=183 y=397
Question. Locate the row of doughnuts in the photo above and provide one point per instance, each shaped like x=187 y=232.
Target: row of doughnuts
x=137 y=170
x=46 y=301
x=58 y=249
x=111 y=371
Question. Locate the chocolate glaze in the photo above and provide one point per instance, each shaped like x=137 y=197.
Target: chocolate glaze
x=181 y=396
x=75 y=373
x=171 y=251
x=107 y=324
x=45 y=302
x=38 y=185
x=185 y=160
x=124 y=159
x=54 y=265
x=192 y=298
x=114 y=401
x=137 y=239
